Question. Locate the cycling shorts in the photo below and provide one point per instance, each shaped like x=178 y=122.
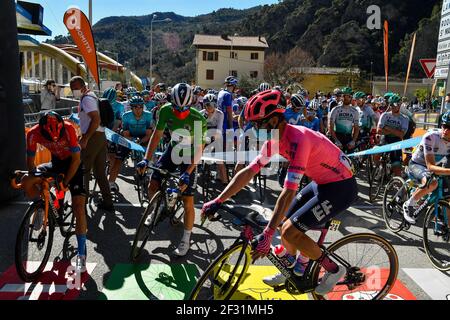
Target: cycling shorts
x=317 y=204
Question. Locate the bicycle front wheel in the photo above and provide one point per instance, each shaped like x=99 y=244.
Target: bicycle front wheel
x=372 y=268
x=223 y=277
x=395 y=195
x=376 y=182
x=33 y=243
x=148 y=222
x=436 y=235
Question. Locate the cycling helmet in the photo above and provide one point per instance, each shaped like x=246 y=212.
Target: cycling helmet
x=298 y=101
x=110 y=94
x=160 y=97
x=446 y=118
x=145 y=93
x=314 y=105
x=337 y=91
x=265 y=104
x=359 y=95
x=241 y=101
x=277 y=88
x=136 y=101
x=347 y=91
x=181 y=98
x=303 y=92
x=51 y=126
x=231 y=81
x=395 y=99
x=388 y=95
x=162 y=86
x=197 y=90
x=210 y=99
x=264 y=87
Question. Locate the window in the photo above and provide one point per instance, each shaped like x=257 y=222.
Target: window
x=210 y=56
x=233 y=73
x=254 y=56
x=233 y=55
x=209 y=74
x=253 y=74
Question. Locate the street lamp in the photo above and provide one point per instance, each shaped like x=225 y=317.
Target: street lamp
x=151 y=43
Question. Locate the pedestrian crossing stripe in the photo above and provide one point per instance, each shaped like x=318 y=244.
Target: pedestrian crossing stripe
x=57 y=282
x=435 y=283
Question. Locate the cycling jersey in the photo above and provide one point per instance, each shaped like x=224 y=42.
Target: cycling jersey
x=432 y=144
x=214 y=121
x=224 y=101
x=366 y=119
x=309 y=153
x=344 y=118
x=293 y=117
x=118 y=110
x=61 y=149
x=137 y=128
x=182 y=131
x=397 y=122
x=313 y=125
x=150 y=105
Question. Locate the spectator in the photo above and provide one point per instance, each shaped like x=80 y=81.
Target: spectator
x=49 y=96
x=93 y=140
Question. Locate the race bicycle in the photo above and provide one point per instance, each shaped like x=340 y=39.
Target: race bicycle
x=35 y=236
x=371 y=263
x=436 y=228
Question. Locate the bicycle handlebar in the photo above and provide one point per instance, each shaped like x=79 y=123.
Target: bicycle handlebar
x=48 y=176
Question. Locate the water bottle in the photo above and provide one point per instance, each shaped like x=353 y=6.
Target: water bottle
x=282 y=254
x=172 y=195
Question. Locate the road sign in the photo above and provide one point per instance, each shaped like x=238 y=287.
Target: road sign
x=443 y=56
x=429 y=66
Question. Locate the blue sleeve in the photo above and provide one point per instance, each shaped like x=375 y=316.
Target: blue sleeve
x=228 y=100
x=125 y=124
x=148 y=122
x=316 y=126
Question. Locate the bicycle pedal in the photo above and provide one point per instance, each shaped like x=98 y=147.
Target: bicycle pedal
x=279 y=288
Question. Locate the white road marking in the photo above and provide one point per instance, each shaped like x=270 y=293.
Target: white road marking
x=435 y=283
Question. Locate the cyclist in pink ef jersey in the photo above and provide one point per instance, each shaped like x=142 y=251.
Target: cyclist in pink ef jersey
x=332 y=191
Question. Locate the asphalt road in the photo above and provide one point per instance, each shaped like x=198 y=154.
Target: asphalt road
x=110 y=237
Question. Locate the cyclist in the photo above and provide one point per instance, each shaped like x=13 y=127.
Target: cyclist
x=344 y=123
x=433 y=149
x=181 y=119
x=310 y=120
x=149 y=102
x=111 y=95
x=393 y=127
x=366 y=114
x=333 y=190
x=294 y=112
x=225 y=102
x=60 y=138
x=324 y=110
x=214 y=121
x=130 y=93
x=136 y=124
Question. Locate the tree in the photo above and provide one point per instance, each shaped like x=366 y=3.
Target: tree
x=278 y=66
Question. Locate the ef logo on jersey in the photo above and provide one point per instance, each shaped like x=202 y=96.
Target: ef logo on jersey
x=322 y=210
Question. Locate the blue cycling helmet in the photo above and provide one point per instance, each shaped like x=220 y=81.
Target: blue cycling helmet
x=136 y=101
x=110 y=94
x=231 y=81
x=241 y=101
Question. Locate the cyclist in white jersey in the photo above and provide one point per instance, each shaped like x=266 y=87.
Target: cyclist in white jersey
x=433 y=150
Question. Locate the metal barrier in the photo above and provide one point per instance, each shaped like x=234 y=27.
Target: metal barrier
x=33 y=118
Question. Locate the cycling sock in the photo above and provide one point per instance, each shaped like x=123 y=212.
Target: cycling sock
x=328 y=264
x=81 y=239
x=186 y=235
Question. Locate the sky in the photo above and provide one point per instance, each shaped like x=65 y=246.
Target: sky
x=54 y=9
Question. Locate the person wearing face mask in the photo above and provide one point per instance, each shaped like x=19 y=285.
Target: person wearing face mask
x=433 y=150
x=93 y=140
x=49 y=96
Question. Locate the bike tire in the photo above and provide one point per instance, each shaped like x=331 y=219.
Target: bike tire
x=220 y=262
x=376 y=185
x=369 y=169
x=24 y=274
x=363 y=238
x=146 y=229
x=440 y=262
x=392 y=208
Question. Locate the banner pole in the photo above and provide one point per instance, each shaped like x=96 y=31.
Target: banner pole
x=410 y=63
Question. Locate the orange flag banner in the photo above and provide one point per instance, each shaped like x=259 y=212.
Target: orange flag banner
x=386 y=52
x=81 y=31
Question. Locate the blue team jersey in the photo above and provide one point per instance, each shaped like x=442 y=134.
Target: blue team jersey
x=137 y=128
x=118 y=110
x=313 y=125
x=224 y=100
x=150 y=105
x=320 y=113
x=292 y=117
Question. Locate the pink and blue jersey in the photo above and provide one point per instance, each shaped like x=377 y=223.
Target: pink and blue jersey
x=310 y=153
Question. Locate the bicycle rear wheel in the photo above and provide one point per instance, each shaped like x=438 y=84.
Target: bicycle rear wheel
x=148 y=222
x=376 y=182
x=395 y=195
x=33 y=243
x=436 y=235
x=372 y=268
x=223 y=277
x=66 y=220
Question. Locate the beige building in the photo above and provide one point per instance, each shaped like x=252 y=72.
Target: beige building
x=217 y=57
